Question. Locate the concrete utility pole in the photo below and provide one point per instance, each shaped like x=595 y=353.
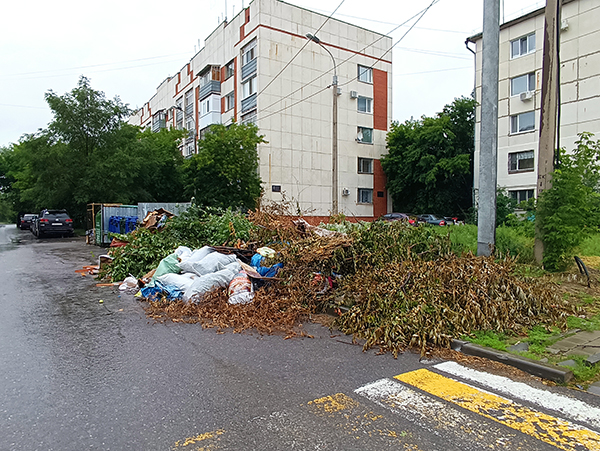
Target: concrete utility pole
x=488 y=155
x=334 y=133
x=547 y=144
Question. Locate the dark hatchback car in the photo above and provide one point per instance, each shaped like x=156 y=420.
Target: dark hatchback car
x=431 y=219
x=26 y=221
x=391 y=217
x=53 y=222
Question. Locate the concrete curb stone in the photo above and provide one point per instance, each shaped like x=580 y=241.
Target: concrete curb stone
x=550 y=372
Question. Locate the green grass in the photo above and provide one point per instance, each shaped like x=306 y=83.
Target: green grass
x=588 y=324
x=489 y=339
x=590 y=247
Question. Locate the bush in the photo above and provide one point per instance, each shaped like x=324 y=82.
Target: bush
x=570 y=210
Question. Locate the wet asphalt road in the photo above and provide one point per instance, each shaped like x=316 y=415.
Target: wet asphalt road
x=76 y=374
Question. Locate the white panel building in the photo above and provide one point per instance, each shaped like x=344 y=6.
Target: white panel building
x=519 y=95
x=260 y=67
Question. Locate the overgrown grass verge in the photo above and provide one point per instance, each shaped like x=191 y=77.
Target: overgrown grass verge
x=539 y=338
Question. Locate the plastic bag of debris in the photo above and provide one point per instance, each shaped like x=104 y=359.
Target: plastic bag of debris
x=209 y=282
x=129 y=285
x=213 y=262
x=240 y=289
x=181 y=281
x=188 y=261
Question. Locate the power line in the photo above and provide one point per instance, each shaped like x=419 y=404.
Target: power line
x=24 y=106
x=435 y=53
x=432 y=71
x=299 y=51
x=93 y=65
x=345 y=61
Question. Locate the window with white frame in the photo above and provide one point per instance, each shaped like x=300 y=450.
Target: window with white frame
x=365 y=74
x=365 y=104
x=520 y=161
x=365 y=165
x=205 y=106
x=229 y=69
x=522 y=83
x=249 y=53
x=230 y=101
x=364 y=135
x=248 y=87
x=523 y=122
x=522 y=46
x=204 y=78
x=522 y=195
x=365 y=195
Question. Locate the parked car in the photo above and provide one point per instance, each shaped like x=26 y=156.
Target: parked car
x=53 y=222
x=431 y=219
x=390 y=217
x=26 y=221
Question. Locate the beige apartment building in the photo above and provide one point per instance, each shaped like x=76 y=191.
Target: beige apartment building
x=519 y=94
x=261 y=67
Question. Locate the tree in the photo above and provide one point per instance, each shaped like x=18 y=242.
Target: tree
x=429 y=165
x=90 y=154
x=570 y=210
x=224 y=172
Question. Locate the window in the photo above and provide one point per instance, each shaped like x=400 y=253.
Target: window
x=522 y=46
x=365 y=196
x=249 y=87
x=276 y=188
x=204 y=78
x=522 y=122
x=189 y=103
x=520 y=161
x=205 y=106
x=179 y=114
x=159 y=121
x=365 y=74
x=364 y=135
x=522 y=83
x=229 y=69
x=230 y=101
x=521 y=195
x=249 y=53
x=365 y=104
x=365 y=165
x=249 y=118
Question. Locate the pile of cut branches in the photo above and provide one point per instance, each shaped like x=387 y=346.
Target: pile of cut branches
x=403 y=286
x=418 y=303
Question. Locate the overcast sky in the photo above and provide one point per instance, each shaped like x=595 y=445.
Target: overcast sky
x=128 y=47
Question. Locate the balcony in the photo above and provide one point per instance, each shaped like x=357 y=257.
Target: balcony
x=249 y=103
x=249 y=69
x=211 y=87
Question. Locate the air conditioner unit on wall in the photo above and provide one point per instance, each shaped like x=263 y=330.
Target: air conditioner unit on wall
x=353 y=95
x=527 y=95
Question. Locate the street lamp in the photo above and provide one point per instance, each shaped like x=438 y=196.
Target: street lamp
x=334 y=153
x=192 y=132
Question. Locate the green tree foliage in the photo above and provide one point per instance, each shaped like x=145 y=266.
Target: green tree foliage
x=429 y=165
x=224 y=172
x=570 y=210
x=90 y=154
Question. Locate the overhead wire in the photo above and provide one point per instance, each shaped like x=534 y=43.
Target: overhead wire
x=421 y=13
x=300 y=51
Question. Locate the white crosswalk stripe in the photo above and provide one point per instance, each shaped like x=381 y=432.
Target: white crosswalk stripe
x=571 y=408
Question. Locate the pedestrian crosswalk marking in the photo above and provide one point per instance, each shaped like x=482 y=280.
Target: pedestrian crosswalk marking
x=555 y=431
x=574 y=409
x=440 y=419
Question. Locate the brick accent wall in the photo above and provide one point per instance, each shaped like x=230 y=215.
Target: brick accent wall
x=379 y=191
x=380 y=99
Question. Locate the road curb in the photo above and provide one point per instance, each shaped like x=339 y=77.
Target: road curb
x=530 y=366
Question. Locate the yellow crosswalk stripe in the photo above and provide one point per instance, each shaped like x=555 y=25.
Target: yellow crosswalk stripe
x=555 y=431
